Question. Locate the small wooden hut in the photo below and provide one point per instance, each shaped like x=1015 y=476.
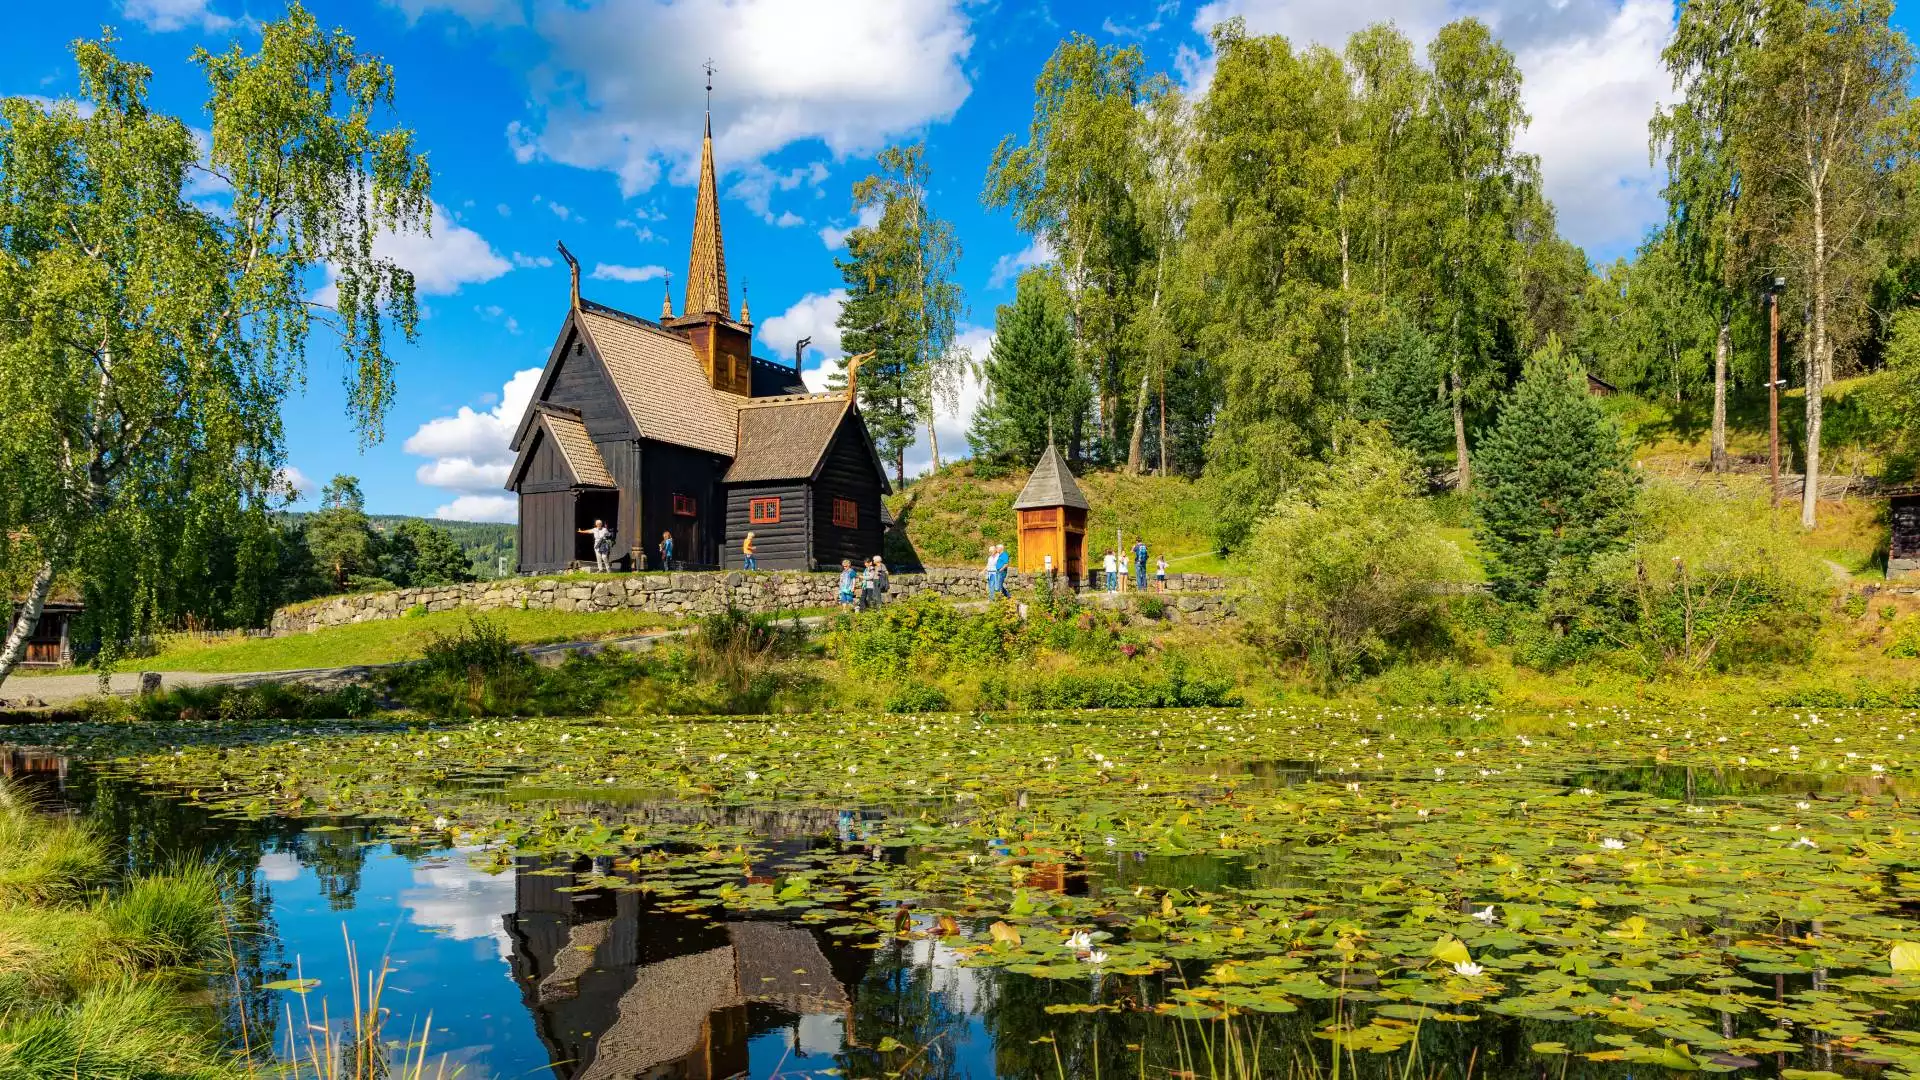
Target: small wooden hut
x=1053 y=519
x=1903 y=546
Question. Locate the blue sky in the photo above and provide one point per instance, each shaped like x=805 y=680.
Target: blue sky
x=579 y=121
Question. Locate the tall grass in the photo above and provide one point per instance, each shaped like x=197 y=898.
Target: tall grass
x=43 y=859
x=173 y=919
x=123 y=1029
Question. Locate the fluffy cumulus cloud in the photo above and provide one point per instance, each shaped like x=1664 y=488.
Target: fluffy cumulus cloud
x=816 y=316
x=618 y=89
x=166 y=16
x=301 y=486
x=835 y=237
x=1592 y=77
x=616 y=272
x=449 y=896
x=442 y=260
x=469 y=455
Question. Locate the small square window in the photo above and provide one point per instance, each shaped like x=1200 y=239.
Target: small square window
x=684 y=506
x=846 y=513
x=763 y=512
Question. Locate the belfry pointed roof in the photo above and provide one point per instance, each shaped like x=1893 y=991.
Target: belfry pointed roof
x=707 y=264
x=1051 y=484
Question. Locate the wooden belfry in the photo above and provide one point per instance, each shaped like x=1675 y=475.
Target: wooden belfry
x=1053 y=519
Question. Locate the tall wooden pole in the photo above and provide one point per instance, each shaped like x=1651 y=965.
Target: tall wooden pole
x=1773 y=391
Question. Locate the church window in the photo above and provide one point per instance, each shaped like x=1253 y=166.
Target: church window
x=684 y=506
x=846 y=513
x=763 y=512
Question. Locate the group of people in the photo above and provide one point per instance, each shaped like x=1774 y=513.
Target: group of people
x=862 y=588
x=1110 y=565
x=998 y=562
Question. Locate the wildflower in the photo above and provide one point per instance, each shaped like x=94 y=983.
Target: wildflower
x=1079 y=941
x=1467 y=969
x=1354 y=786
x=1613 y=845
x=1111 y=841
x=1096 y=957
x=440 y=823
x=1485 y=914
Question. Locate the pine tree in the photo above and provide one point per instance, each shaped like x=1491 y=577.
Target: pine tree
x=341 y=537
x=1557 y=486
x=886 y=380
x=1035 y=386
x=1400 y=368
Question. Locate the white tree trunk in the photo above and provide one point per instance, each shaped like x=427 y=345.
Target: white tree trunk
x=26 y=621
x=1817 y=359
x=1463 y=479
x=1722 y=346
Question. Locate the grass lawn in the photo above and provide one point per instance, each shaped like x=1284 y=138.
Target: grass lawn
x=383 y=640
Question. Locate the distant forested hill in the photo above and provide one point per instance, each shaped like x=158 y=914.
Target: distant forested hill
x=485 y=542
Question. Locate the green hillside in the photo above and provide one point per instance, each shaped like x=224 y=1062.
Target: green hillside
x=951 y=517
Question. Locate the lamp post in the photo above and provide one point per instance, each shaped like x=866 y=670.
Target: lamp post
x=1775 y=286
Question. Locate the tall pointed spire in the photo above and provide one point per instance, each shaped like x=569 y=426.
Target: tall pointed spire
x=707 y=265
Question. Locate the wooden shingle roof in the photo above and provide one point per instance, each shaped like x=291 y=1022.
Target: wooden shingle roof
x=569 y=434
x=1051 y=484
x=784 y=438
x=662 y=382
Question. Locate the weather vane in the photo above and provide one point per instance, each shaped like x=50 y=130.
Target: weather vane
x=709 y=70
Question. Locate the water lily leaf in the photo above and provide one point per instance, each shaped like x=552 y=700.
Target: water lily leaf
x=1450 y=950
x=1004 y=933
x=298 y=986
x=1906 y=956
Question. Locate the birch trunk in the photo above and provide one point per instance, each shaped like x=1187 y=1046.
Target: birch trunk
x=1136 y=445
x=27 y=620
x=1817 y=360
x=1722 y=346
x=1464 y=480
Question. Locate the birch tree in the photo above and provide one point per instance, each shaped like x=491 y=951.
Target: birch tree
x=1821 y=144
x=1710 y=58
x=147 y=336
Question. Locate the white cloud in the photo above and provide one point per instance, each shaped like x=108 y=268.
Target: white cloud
x=1007 y=268
x=836 y=238
x=83 y=108
x=451 y=256
x=620 y=90
x=452 y=897
x=478 y=12
x=279 y=866
x=527 y=261
x=470 y=453
x=496 y=313
x=757 y=184
x=616 y=272
x=951 y=419
x=1592 y=76
x=166 y=16
x=788 y=219
x=503 y=508
x=816 y=316
x=290 y=478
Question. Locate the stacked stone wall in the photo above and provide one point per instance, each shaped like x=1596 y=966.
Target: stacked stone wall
x=1192 y=598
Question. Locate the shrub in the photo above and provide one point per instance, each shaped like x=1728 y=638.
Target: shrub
x=1350 y=566
x=1712 y=579
x=1150 y=607
x=1906 y=642
x=917 y=697
x=1855 y=605
x=1433 y=684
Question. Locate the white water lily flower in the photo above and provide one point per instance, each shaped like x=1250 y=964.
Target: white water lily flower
x=1112 y=841
x=1806 y=843
x=1586 y=791
x=1802 y=806
x=752 y=776
x=1485 y=914
x=1355 y=786
x=440 y=823
x=1468 y=969
x=1079 y=941
x=1096 y=957
x=1613 y=845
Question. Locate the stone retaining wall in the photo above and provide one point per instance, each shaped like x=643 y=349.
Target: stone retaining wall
x=1193 y=598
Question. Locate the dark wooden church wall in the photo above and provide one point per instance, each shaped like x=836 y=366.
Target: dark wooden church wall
x=546 y=469
x=623 y=459
x=666 y=470
x=847 y=473
x=580 y=384
x=780 y=546
x=546 y=530
x=1903 y=549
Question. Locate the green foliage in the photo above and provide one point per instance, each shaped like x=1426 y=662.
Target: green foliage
x=44 y=859
x=918 y=697
x=1035 y=389
x=1712 y=580
x=152 y=336
x=1150 y=607
x=1349 y=565
x=1556 y=482
x=1400 y=372
x=340 y=536
x=1906 y=641
x=124 y=1030
x=417 y=552
x=172 y=919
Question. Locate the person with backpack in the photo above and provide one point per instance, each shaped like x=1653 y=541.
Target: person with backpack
x=1140 y=565
x=602 y=546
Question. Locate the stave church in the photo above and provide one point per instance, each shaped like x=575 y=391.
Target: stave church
x=674 y=427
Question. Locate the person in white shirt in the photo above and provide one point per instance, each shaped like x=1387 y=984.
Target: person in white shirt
x=1111 y=565
x=602 y=546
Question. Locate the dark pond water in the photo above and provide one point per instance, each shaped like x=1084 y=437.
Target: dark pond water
x=539 y=968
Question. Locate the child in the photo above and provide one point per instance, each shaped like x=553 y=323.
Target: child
x=869 y=582
x=847 y=578
x=666 y=551
x=1160 y=574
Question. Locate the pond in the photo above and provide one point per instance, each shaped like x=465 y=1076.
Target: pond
x=1221 y=893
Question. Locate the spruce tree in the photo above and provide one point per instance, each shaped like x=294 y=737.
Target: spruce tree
x=887 y=379
x=1557 y=486
x=1400 y=369
x=1034 y=385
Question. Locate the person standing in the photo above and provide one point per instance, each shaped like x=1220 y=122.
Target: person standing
x=1003 y=564
x=1140 y=565
x=1160 y=574
x=869 y=581
x=747 y=561
x=993 y=556
x=847 y=578
x=602 y=545
x=1110 y=565
x=880 y=582
x=666 y=551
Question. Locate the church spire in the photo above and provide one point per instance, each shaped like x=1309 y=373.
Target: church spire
x=707 y=265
